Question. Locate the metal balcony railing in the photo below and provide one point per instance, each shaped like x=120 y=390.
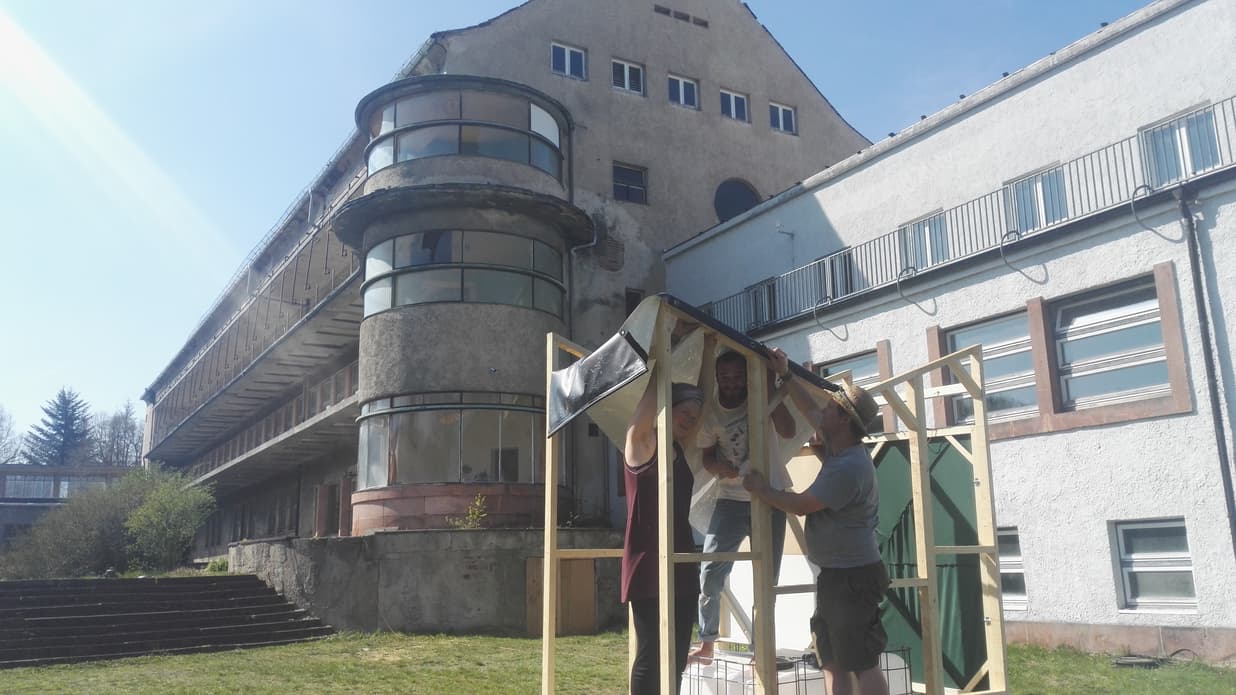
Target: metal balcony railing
x=1176 y=150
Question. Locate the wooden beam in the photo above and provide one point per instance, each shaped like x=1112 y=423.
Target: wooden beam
x=924 y=539
x=549 y=565
x=662 y=375
x=588 y=553
x=763 y=613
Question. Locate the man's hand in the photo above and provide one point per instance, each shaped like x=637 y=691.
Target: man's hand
x=780 y=362
x=754 y=482
x=725 y=469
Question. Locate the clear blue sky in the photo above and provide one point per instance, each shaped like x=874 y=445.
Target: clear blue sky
x=146 y=145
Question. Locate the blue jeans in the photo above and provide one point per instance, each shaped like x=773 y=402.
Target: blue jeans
x=730 y=524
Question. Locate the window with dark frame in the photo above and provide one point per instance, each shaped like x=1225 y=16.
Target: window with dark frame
x=1008 y=368
x=568 y=60
x=630 y=183
x=864 y=368
x=628 y=77
x=781 y=118
x=734 y=105
x=684 y=92
x=1012 y=572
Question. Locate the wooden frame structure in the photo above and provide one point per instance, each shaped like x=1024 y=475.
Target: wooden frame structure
x=906 y=394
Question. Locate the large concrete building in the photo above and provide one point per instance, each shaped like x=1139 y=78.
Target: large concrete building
x=1076 y=219
x=378 y=360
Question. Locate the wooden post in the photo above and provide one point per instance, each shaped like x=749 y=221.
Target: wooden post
x=985 y=515
x=924 y=539
x=662 y=373
x=763 y=620
x=549 y=566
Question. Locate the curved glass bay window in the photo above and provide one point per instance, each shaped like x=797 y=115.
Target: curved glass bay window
x=464 y=266
x=451 y=438
x=466 y=122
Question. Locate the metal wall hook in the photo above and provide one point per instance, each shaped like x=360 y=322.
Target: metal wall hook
x=906 y=272
x=1016 y=235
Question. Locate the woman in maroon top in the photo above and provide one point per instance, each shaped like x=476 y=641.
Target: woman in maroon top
x=639 y=555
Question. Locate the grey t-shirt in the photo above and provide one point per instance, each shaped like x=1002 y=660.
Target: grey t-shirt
x=844 y=533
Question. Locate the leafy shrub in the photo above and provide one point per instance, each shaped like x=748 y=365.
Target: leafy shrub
x=162 y=527
x=217 y=565
x=473 y=518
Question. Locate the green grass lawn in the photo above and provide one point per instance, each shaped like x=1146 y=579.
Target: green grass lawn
x=442 y=665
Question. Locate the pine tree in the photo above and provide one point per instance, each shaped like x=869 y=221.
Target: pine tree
x=63 y=437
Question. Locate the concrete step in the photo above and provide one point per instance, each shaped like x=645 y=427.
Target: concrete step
x=153 y=584
x=50 y=660
x=33 y=600
x=134 y=606
x=127 y=641
x=68 y=626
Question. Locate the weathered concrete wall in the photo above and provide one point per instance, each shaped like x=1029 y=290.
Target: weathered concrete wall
x=422 y=581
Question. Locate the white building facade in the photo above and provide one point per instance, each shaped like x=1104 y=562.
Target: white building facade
x=1075 y=218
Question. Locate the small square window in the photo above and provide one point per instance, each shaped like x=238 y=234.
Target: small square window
x=781 y=118
x=568 y=60
x=630 y=184
x=734 y=105
x=864 y=369
x=628 y=77
x=684 y=91
x=1156 y=567
x=1036 y=201
x=1012 y=573
x=1180 y=148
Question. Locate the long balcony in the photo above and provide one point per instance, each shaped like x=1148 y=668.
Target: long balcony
x=1177 y=151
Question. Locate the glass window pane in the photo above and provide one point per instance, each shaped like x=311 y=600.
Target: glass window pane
x=740 y=108
x=774 y=116
x=1055 y=205
x=1154 y=539
x=1008 y=365
x=481 y=141
x=481 y=446
x=546 y=259
x=1010 y=545
x=431 y=106
x=1163 y=154
x=548 y=297
x=497 y=287
x=496 y=108
x=543 y=124
x=428 y=447
x=1168 y=585
x=516 y=460
x=577 y=64
x=635 y=79
x=423 y=286
x=1086 y=313
x=430 y=141
x=860 y=367
x=1116 y=380
x=557 y=59
x=1203 y=150
x=1112 y=343
x=497 y=249
x=379 y=259
x=726 y=105
x=425 y=249
x=546 y=158
x=377 y=459
x=688 y=94
x=787 y=120
x=1011 y=400
x=386 y=120
x=675 y=91
x=990 y=333
x=378 y=296
x=1025 y=204
x=619 y=74
x=382 y=155
x=1013 y=584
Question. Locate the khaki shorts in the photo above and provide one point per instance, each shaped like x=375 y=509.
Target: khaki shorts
x=846 y=627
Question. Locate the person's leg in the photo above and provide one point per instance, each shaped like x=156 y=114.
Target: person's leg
x=855 y=629
x=726 y=531
x=645 y=667
x=684 y=620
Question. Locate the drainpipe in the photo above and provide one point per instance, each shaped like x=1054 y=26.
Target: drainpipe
x=1203 y=318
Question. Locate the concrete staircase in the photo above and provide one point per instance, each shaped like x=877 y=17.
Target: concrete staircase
x=58 y=621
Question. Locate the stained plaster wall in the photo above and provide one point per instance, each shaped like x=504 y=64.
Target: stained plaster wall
x=421 y=581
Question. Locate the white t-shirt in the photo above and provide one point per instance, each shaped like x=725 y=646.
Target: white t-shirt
x=727 y=429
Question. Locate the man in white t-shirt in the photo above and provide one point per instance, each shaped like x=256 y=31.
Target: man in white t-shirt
x=723 y=440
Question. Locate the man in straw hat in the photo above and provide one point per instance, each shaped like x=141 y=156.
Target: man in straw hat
x=841 y=507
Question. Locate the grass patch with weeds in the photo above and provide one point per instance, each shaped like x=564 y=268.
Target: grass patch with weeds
x=435 y=664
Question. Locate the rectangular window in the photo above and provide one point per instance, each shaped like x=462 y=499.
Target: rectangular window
x=734 y=105
x=630 y=184
x=838 y=280
x=1012 y=574
x=568 y=60
x=1109 y=346
x=628 y=77
x=923 y=243
x=1156 y=568
x=30 y=486
x=1180 y=148
x=1036 y=201
x=864 y=369
x=684 y=92
x=763 y=303
x=781 y=118
x=1008 y=368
